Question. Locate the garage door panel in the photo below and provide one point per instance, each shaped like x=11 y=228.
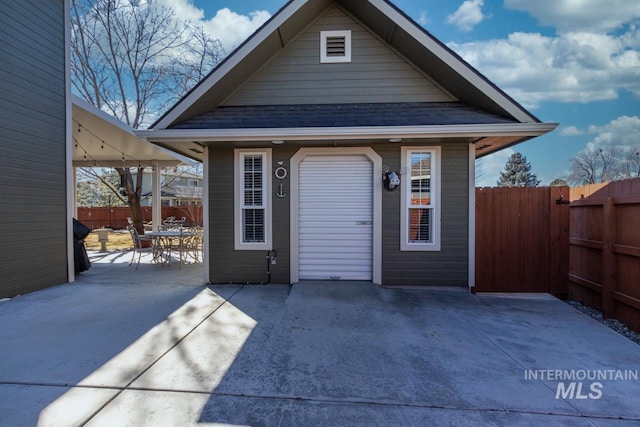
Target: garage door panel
x=335 y=218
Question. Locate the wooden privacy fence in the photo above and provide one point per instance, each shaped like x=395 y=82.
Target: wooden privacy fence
x=604 y=270
x=117 y=217
x=522 y=237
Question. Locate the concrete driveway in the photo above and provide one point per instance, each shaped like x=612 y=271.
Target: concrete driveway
x=126 y=347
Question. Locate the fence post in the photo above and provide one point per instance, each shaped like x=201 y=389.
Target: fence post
x=558 y=241
x=608 y=259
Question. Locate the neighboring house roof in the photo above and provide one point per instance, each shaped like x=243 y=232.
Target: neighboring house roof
x=482 y=110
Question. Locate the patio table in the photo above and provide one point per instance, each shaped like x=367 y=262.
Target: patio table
x=163 y=243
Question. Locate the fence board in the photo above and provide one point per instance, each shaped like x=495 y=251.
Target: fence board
x=605 y=249
x=522 y=240
x=116 y=217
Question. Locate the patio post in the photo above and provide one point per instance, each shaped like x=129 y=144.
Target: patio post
x=156 y=200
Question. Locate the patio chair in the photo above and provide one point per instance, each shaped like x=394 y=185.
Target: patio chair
x=192 y=244
x=138 y=246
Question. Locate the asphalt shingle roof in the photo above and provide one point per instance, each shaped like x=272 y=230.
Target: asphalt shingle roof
x=341 y=115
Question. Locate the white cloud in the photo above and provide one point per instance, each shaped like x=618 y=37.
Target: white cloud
x=423 y=19
x=229 y=27
x=468 y=15
x=571 y=131
x=573 y=67
x=232 y=28
x=623 y=132
x=579 y=15
x=488 y=168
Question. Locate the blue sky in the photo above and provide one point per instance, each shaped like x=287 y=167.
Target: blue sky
x=575 y=62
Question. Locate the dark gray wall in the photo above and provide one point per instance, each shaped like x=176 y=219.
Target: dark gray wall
x=33 y=254
x=226 y=264
x=375 y=74
x=448 y=267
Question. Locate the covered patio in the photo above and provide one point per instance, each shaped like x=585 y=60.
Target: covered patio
x=102 y=141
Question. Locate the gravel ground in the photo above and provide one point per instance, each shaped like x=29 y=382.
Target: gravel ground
x=616 y=325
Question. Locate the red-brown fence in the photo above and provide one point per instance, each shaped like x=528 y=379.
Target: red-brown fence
x=117 y=217
x=522 y=237
x=604 y=269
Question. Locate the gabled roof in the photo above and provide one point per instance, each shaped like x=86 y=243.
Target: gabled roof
x=400 y=32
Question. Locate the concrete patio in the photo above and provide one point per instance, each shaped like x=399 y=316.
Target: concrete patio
x=153 y=346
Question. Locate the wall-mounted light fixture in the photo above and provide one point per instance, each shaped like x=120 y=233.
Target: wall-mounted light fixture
x=277 y=142
x=391 y=180
x=395 y=140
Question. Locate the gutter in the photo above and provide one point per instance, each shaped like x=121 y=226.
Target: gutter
x=348 y=133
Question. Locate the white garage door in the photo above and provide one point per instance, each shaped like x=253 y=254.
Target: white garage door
x=335 y=218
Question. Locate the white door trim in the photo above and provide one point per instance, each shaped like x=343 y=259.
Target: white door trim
x=376 y=162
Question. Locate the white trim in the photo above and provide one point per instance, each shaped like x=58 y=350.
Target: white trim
x=324 y=35
x=324 y=133
x=376 y=161
x=236 y=57
x=472 y=216
x=405 y=197
x=205 y=214
x=237 y=202
x=462 y=68
x=69 y=170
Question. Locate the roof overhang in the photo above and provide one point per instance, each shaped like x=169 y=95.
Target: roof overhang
x=489 y=137
x=390 y=24
x=101 y=140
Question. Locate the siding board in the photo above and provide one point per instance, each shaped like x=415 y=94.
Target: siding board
x=381 y=74
x=32 y=146
x=449 y=267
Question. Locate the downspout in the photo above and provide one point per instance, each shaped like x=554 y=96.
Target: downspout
x=205 y=213
x=69 y=169
x=472 y=217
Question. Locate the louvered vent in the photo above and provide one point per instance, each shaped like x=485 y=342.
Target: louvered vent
x=335 y=46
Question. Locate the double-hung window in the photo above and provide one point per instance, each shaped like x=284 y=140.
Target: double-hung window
x=420 y=217
x=252 y=199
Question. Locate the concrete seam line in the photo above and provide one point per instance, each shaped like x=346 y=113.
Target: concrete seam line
x=159 y=358
x=386 y=404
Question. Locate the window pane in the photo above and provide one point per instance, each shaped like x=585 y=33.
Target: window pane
x=420 y=225
x=420 y=178
x=253 y=226
x=253 y=180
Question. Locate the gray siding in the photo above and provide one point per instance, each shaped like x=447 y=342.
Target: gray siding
x=449 y=267
x=32 y=146
x=226 y=264
x=376 y=73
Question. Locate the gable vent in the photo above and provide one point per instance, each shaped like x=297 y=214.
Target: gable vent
x=335 y=46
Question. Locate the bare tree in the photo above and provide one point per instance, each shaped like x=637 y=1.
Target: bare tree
x=631 y=163
x=197 y=60
x=594 y=166
x=133 y=59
